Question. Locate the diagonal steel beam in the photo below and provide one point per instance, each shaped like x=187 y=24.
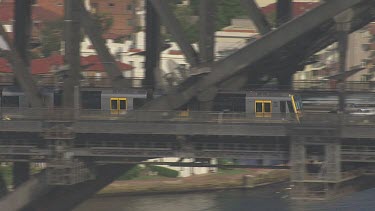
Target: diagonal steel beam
x=254 y=52
x=108 y=61
x=29 y=191
x=257 y=16
x=62 y=198
x=174 y=27
x=22 y=73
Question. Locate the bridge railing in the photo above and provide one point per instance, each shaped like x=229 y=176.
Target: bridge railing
x=56 y=81
x=183 y=116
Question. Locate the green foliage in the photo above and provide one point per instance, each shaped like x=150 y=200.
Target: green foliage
x=104 y=20
x=131 y=174
x=51 y=36
x=162 y=171
x=189 y=25
x=6 y=173
x=227 y=10
x=52 y=32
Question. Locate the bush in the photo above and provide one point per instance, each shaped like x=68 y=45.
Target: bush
x=131 y=174
x=166 y=172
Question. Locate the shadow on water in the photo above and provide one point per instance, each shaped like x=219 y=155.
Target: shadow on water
x=270 y=198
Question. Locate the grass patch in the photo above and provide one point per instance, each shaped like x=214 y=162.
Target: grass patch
x=6 y=172
x=232 y=171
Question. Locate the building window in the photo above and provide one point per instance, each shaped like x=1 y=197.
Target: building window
x=94 y=7
x=129 y=7
x=111 y=4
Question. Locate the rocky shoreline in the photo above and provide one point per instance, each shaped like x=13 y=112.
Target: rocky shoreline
x=249 y=178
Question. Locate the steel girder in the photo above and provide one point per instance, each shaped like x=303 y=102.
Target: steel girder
x=252 y=53
x=284 y=11
x=109 y=63
x=257 y=16
x=22 y=73
x=72 y=56
x=76 y=194
x=207 y=11
x=174 y=27
x=153 y=46
x=22 y=28
x=26 y=193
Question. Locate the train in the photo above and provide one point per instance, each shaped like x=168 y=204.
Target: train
x=260 y=103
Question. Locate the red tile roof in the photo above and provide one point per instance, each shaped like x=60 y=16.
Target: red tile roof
x=39 y=13
x=46 y=65
x=298 y=8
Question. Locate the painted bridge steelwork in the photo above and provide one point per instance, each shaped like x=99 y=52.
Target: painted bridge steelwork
x=278 y=53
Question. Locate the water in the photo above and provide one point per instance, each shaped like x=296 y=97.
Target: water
x=271 y=198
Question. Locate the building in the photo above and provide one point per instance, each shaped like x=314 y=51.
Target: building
x=122 y=13
x=45 y=69
x=43 y=11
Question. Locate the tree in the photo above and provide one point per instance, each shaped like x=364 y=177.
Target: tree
x=51 y=37
x=226 y=11
x=52 y=32
x=184 y=15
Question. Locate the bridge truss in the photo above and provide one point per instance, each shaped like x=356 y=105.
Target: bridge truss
x=278 y=53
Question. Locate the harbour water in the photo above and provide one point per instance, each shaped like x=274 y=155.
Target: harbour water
x=270 y=198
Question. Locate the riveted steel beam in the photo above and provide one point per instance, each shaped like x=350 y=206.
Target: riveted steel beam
x=207 y=10
x=25 y=194
x=254 y=52
x=72 y=37
x=22 y=28
x=91 y=29
x=174 y=27
x=284 y=11
x=22 y=73
x=153 y=45
x=257 y=16
x=63 y=198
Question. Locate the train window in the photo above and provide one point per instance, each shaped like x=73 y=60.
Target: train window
x=11 y=101
x=114 y=104
x=122 y=104
x=267 y=107
x=282 y=106
x=258 y=107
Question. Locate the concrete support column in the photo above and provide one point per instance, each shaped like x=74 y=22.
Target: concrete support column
x=333 y=161
x=153 y=46
x=297 y=159
x=343 y=25
x=21 y=173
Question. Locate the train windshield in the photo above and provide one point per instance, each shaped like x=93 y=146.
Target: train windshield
x=298 y=102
